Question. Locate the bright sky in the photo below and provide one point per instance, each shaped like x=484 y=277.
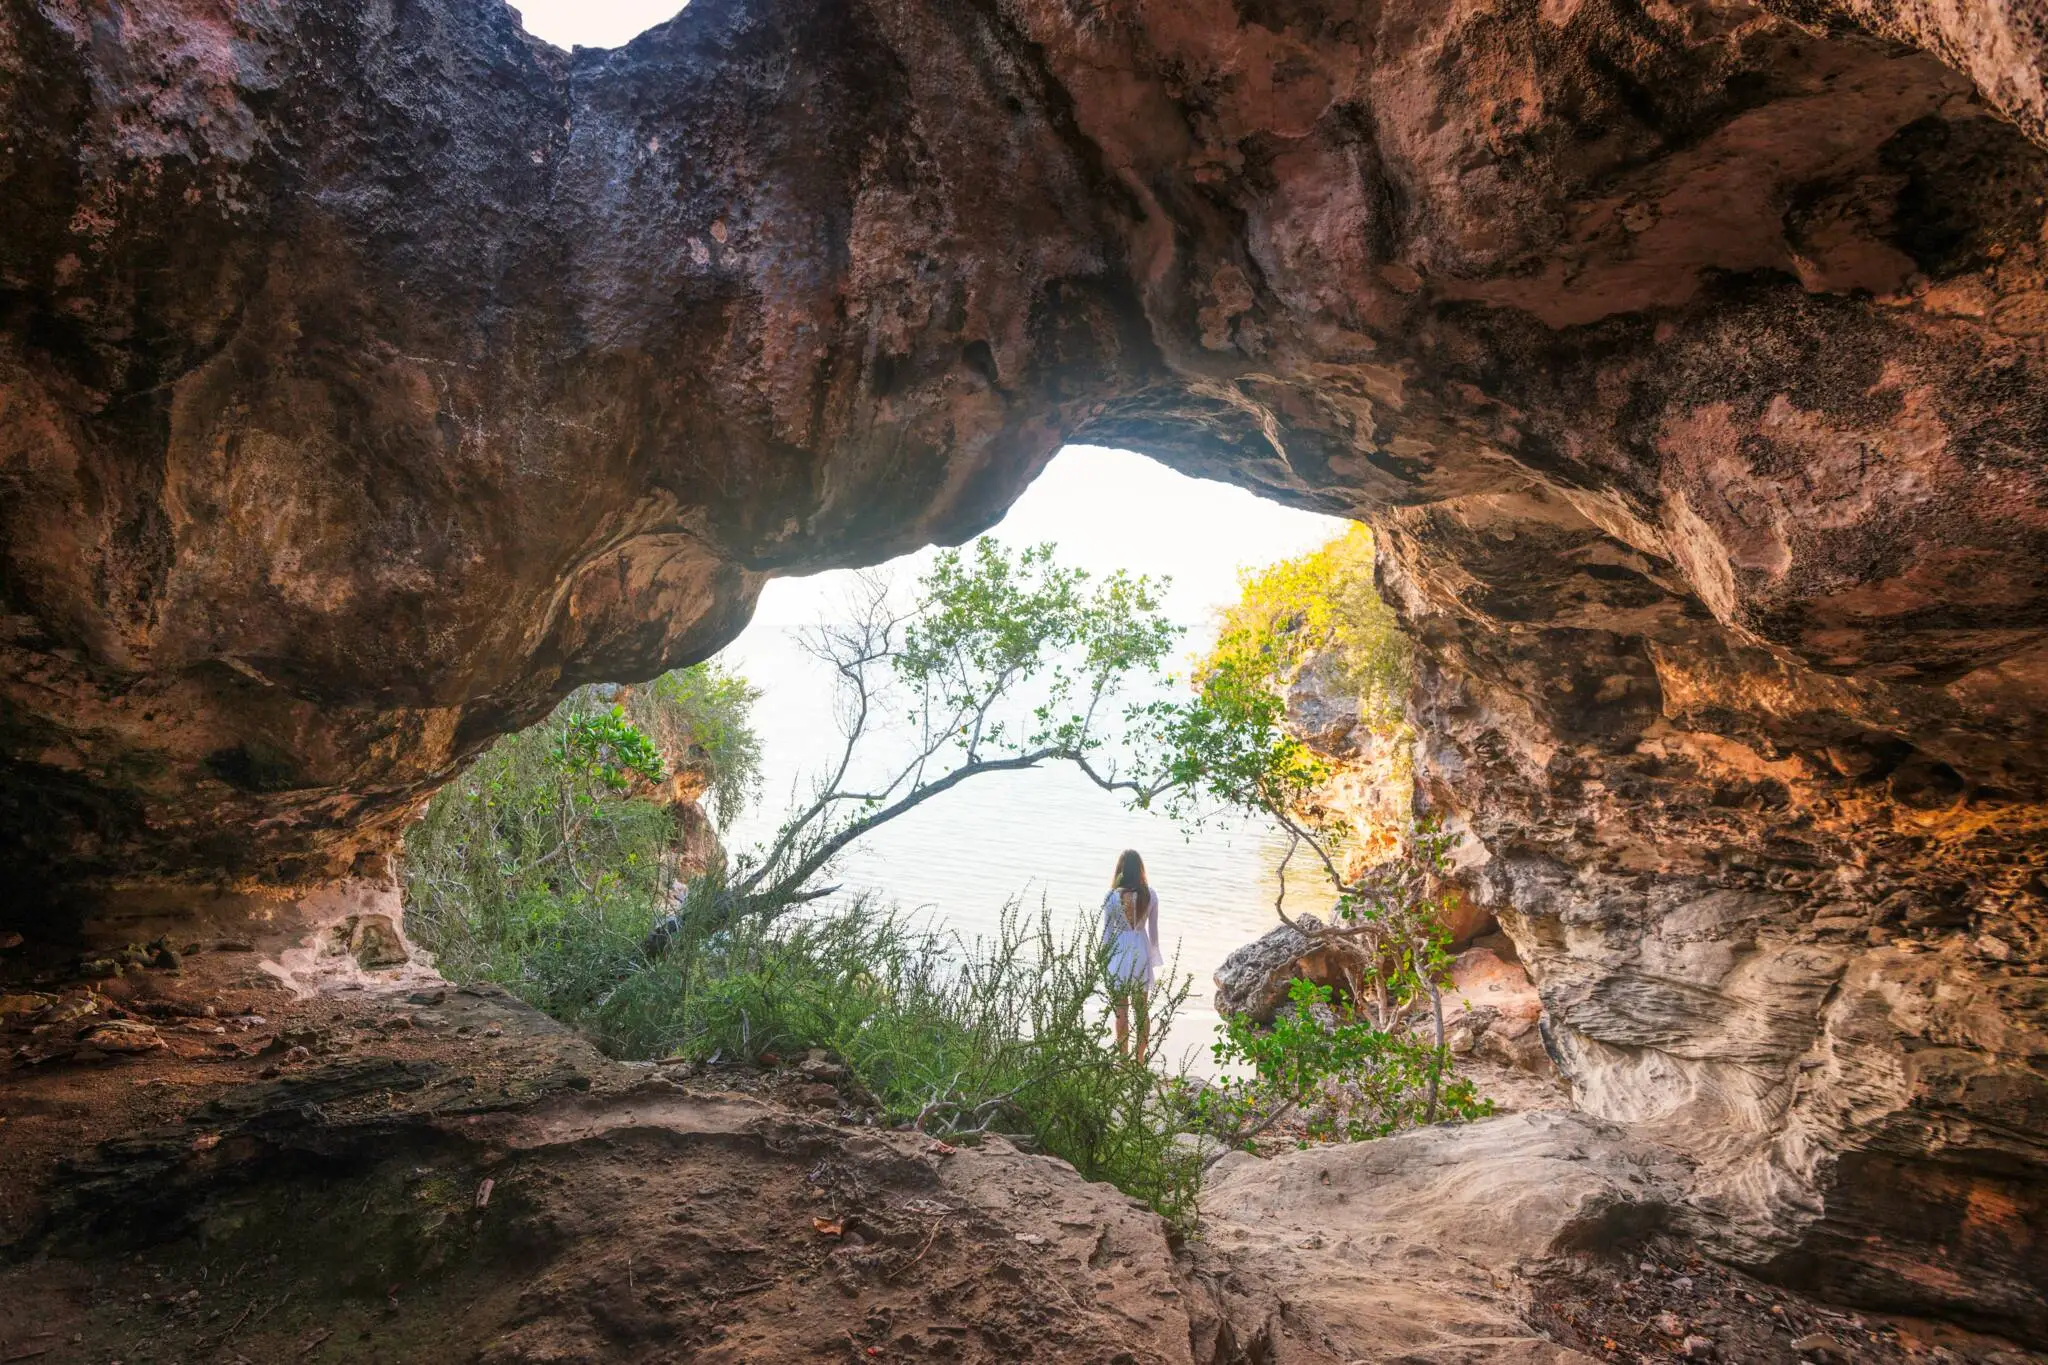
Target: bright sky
x=1109 y=510
x=593 y=23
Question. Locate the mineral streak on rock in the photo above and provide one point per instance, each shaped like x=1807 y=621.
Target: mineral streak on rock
x=372 y=374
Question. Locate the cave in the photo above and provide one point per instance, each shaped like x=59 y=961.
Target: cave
x=373 y=375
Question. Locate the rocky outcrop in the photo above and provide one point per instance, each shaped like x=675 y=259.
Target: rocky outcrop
x=1254 y=980
x=1755 y=895
x=1491 y=1010
x=1370 y=792
x=371 y=375
x=1408 y=1249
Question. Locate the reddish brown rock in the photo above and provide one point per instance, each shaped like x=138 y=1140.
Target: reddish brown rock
x=371 y=375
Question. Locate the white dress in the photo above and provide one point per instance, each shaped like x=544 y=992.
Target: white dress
x=1133 y=953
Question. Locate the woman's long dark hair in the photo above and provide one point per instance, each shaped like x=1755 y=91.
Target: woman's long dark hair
x=1132 y=893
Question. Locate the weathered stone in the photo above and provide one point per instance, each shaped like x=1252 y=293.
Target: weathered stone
x=1255 y=979
x=1449 y=1213
x=372 y=375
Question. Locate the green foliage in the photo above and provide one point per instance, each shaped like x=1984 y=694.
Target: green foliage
x=1228 y=744
x=602 y=746
x=1322 y=604
x=517 y=859
x=528 y=866
x=1348 y=1077
x=705 y=712
x=992 y=623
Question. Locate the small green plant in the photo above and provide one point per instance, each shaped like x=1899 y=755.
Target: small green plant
x=602 y=746
x=1349 y=1078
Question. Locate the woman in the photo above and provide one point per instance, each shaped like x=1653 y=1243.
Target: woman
x=1130 y=930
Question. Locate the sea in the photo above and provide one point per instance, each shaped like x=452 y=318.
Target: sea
x=1047 y=839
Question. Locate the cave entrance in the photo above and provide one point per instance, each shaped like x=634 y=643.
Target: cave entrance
x=593 y=23
x=1041 y=840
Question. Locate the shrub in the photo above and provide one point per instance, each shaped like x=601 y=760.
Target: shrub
x=1349 y=1078
x=1322 y=604
x=549 y=850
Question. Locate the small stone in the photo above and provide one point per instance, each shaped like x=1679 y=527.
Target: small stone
x=1697 y=1348
x=123 y=1036
x=1669 y=1325
x=1819 y=1345
x=9 y=941
x=1683 y=1284
x=1997 y=949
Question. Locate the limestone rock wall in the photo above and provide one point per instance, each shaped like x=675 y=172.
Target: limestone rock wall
x=371 y=374
x=1784 y=916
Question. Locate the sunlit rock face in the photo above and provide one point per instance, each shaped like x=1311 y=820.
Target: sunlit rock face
x=371 y=374
x=1790 y=916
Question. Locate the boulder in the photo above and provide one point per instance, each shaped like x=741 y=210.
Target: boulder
x=1255 y=979
x=1401 y=1248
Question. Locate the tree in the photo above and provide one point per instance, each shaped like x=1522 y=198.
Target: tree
x=1003 y=661
x=1382 y=1047
x=1007 y=660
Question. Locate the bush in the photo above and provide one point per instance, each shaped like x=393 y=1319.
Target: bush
x=1320 y=604
x=1349 y=1078
x=957 y=1038
x=551 y=848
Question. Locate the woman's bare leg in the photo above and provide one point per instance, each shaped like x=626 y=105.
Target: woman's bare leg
x=1123 y=1025
x=1144 y=1025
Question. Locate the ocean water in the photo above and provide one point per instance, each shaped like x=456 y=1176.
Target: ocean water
x=1049 y=837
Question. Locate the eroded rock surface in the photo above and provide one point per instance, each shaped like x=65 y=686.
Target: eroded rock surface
x=1410 y=1248
x=371 y=375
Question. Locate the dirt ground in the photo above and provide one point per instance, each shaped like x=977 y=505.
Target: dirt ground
x=1662 y=1302
x=206 y=1165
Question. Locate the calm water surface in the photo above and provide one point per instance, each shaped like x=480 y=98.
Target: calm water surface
x=1050 y=836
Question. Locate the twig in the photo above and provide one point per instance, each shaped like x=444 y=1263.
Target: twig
x=1237 y=1139
x=236 y=1326
x=929 y=1238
